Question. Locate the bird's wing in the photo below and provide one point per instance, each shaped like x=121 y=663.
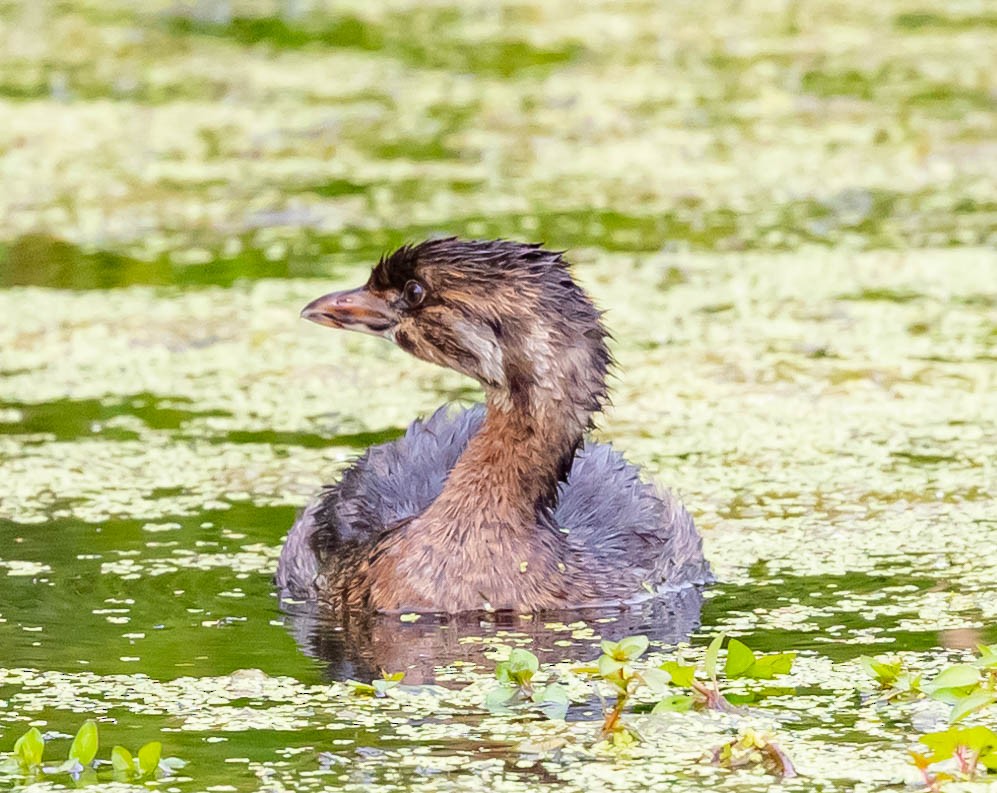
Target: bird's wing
x=640 y=531
x=390 y=483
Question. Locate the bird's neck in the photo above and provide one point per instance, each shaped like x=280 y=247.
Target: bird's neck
x=489 y=541
x=508 y=472
x=506 y=480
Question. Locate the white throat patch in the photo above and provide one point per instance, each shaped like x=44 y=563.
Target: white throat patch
x=481 y=341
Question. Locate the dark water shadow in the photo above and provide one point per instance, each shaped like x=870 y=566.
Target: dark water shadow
x=361 y=648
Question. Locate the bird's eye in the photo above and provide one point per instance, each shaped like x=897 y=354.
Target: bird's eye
x=414 y=292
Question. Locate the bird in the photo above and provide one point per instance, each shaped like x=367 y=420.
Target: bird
x=505 y=506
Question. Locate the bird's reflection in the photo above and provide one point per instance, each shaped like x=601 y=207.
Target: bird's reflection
x=361 y=648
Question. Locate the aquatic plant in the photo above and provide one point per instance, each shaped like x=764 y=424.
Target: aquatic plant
x=781 y=215
x=967 y=687
x=741 y=662
x=147 y=761
x=615 y=666
x=515 y=676
x=752 y=749
x=29 y=749
x=969 y=747
x=379 y=687
x=893 y=679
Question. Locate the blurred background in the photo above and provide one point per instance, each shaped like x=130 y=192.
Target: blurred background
x=167 y=142
x=787 y=207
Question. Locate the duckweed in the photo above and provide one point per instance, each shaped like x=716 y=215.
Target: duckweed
x=789 y=218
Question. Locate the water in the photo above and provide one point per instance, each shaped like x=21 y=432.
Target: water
x=788 y=213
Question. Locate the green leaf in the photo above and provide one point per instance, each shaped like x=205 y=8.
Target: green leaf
x=29 y=748
x=499 y=699
x=952 y=696
x=979 y=740
x=988 y=656
x=712 y=653
x=523 y=661
x=742 y=662
x=361 y=689
x=610 y=667
x=744 y=697
x=885 y=672
x=518 y=668
x=612 y=649
x=739 y=658
x=148 y=757
x=550 y=693
x=680 y=674
x=956 y=676
x=656 y=680
x=84 y=748
x=632 y=647
x=121 y=760
x=383 y=686
x=977 y=700
x=906 y=686
x=553 y=700
x=680 y=703
x=989 y=761
x=766 y=667
x=954 y=683
x=70 y=766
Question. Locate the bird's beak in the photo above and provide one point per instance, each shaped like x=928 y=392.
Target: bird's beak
x=355 y=309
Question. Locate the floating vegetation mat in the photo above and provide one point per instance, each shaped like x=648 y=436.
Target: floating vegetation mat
x=786 y=209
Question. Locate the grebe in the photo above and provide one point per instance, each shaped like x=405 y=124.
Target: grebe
x=501 y=506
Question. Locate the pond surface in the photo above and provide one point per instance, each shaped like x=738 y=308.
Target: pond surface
x=788 y=210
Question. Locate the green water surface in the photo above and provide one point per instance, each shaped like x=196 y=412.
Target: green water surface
x=789 y=212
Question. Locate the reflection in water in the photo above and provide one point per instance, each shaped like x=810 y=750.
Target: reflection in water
x=961 y=638
x=362 y=648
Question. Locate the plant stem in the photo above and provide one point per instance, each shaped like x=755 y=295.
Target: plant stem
x=930 y=781
x=611 y=722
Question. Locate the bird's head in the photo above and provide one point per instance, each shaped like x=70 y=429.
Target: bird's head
x=507 y=314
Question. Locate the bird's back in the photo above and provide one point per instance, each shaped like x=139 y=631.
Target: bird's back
x=632 y=528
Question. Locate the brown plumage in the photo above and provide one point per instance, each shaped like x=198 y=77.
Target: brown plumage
x=504 y=509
